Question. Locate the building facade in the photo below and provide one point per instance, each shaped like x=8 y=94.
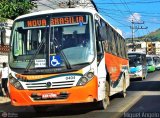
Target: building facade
x=156 y=47
x=146 y=47
x=5 y=31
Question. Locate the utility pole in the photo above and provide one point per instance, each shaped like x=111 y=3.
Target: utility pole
x=146 y=45
x=134 y=29
x=132 y=34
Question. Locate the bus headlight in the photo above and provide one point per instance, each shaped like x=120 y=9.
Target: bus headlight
x=85 y=79
x=15 y=82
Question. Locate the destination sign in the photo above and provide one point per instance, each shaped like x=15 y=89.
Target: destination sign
x=67 y=20
x=55 y=21
x=35 y=23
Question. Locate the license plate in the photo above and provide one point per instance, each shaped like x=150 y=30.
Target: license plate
x=49 y=96
x=132 y=74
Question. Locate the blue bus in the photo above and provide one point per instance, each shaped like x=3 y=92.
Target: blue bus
x=137 y=65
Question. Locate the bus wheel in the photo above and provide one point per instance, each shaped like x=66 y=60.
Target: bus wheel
x=145 y=75
x=142 y=78
x=40 y=109
x=105 y=102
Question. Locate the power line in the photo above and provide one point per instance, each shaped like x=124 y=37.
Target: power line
x=142 y=12
x=116 y=16
x=46 y=5
x=120 y=3
x=125 y=5
x=117 y=20
x=117 y=8
x=133 y=18
x=119 y=14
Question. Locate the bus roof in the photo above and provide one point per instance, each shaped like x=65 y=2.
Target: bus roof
x=60 y=10
x=152 y=55
x=137 y=53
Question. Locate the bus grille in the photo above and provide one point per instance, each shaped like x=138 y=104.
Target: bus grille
x=43 y=85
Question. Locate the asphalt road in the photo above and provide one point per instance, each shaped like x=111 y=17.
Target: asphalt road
x=142 y=100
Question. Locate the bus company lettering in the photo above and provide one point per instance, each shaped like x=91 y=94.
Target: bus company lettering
x=67 y=20
x=38 y=22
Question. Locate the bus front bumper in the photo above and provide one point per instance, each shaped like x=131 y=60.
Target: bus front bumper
x=136 y=75
x=77 y=94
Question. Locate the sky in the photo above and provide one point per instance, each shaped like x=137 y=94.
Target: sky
x=120 y=13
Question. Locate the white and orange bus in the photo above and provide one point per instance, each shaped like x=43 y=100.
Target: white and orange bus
x=66 y=56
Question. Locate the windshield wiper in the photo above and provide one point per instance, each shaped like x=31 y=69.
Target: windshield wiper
x=68 y=66
x=85 y=63
x=35 y=54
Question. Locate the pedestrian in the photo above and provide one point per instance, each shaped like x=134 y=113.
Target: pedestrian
x=4 y=79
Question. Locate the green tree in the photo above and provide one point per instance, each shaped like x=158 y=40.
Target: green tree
x=11 y=9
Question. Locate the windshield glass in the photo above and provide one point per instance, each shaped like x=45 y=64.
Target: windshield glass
x=66 y=39
x=149 y=61
x=134 y=60
x=156 y=60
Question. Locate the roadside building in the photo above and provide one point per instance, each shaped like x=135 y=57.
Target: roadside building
x=146 y=47
x=156 y=47
x=5 y=31
x=137 y=46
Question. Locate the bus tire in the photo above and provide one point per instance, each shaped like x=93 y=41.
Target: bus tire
x=40 y=109
x=105 y=102
x=146 y=75
x=143 y=77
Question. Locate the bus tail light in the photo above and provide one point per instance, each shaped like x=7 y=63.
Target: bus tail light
x=15 y=82
x=85 y=79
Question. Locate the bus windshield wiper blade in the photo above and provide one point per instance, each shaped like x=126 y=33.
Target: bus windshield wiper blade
x=35 y=54
x=68 y=66
x=85 y=63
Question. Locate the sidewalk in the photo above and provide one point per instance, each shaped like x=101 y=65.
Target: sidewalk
x=4 y=99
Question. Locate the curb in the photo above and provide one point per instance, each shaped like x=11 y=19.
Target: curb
x=4 y=100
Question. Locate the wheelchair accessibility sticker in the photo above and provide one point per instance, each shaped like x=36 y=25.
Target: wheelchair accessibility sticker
x=55 y=60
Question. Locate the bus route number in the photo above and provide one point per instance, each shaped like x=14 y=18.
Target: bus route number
x=70 y=77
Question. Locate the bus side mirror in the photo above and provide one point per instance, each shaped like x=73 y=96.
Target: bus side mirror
x=102 y=34
x=99 y=32
x=20 y=30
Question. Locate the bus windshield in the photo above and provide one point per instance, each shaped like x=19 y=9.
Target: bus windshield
x=134 y=60
x=40 y=41
x=150 y=61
